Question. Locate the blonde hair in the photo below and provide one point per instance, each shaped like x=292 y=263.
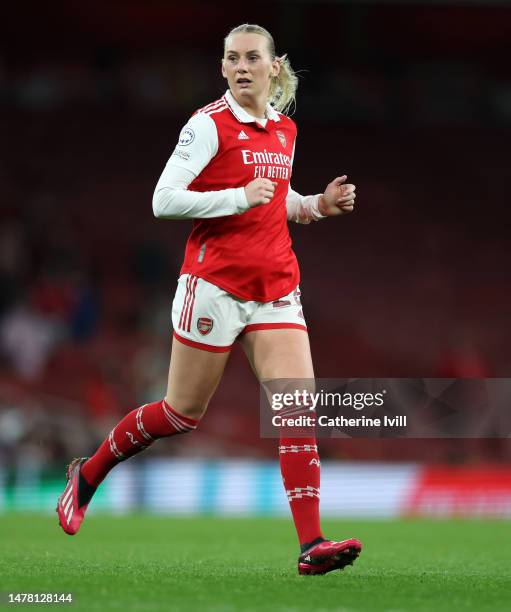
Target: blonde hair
x=283 y=87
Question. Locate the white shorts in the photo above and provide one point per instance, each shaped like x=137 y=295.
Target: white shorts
x=207 y=317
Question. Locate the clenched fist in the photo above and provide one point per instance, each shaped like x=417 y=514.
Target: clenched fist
x=259 y=191
x=338 y=199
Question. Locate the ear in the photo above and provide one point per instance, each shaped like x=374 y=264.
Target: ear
x=275 y=67
x=224 y=74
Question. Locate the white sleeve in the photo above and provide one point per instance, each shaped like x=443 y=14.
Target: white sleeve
x=196 y=147
x=302 y=209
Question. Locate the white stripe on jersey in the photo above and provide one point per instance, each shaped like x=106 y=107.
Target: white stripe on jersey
x=217 y=110
x=211 y=106
x=206 y=106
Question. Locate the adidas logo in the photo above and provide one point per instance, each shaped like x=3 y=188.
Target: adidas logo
x=242 y=136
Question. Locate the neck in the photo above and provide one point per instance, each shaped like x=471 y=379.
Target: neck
x=256 y=108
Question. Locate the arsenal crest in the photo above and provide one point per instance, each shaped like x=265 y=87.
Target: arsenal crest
x=204 y=325
x=282 y=138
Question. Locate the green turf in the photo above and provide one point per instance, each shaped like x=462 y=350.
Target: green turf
x=160 y=563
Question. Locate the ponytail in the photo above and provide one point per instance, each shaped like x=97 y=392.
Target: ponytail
x=283 y=87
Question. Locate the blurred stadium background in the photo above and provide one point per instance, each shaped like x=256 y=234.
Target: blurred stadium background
x=411 y=100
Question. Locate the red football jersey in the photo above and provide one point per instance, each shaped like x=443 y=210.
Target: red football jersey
x=248 y=255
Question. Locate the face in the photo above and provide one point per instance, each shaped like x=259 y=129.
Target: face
x=248 y=66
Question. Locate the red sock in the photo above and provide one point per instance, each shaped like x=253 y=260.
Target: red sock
x=300 y=469
x=137 y=430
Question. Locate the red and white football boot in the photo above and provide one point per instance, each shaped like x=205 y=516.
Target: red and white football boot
x=328 y=556
x=70 y=513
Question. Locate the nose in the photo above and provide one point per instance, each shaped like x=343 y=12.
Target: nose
x=242 y=66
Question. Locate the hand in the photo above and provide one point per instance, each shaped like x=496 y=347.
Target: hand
x=259 y=191
x=338 y=198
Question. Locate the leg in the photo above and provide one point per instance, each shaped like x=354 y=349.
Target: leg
x=193 y=378
x=194 y=375
x=279 y=353
x=285 y=353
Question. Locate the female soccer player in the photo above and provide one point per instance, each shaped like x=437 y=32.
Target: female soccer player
x=230 y=172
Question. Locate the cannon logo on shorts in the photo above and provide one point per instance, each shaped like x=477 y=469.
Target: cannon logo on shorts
x=204 y=325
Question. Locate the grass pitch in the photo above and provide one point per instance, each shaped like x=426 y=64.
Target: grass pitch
x=146 y=562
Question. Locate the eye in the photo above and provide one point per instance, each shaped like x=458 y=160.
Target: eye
x=253 y=58
x=232 y=59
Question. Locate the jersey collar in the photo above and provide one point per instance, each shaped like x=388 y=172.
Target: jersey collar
x=241 y=114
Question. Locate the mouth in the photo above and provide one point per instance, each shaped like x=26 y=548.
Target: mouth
x=243 y=82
